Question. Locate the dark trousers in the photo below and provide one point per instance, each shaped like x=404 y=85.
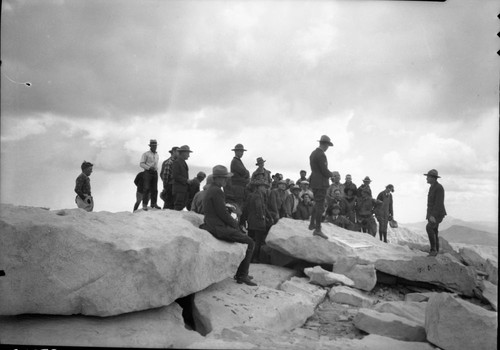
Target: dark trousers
x=368 y=225
x=383 y=221
x=432 y=232
x=180 y=200
x=319 y=207
x=259 y=236
x=150 y=188
x=230 y=234
x=168 y=203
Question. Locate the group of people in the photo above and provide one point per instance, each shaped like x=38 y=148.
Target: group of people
x=241 y=207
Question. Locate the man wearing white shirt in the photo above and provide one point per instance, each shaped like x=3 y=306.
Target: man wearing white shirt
x=149 y=162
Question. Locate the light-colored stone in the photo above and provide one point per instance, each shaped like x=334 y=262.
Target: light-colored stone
x=490 y=293
x=363 y=276
x=492 y=271
x=155 y=328
x=324 y=278
x=378 y=342
x=302 y=286
x=412 y=310
x=441 y=270
x=103 y=263
x=350 y=296
x=419 y=297
x=271 y=276
x=227 y=305
x=293 y=238
x=472 y=258
x=453 y=323
x=389 y=325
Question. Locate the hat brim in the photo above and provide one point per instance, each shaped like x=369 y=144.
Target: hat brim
x=222 y=175
x=184 y=150
x=329 y=143
x=436 y=176
x=238 y=149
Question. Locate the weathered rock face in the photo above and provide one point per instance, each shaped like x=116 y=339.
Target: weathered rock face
x=414 y=311
x=453 y=323
x=297 y=285
x=349 y=296
x=490 y=293
x=363 y=276
x=347 y=248
x=227 y=304
x=441 y=270
x=389 y=325
x=293 y=238
x=103 y=264
x=325 y=278
x=271 y=276
x=156 y=328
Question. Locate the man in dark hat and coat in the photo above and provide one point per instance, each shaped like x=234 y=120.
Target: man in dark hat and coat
x=384 y=212
x=241 y=176
x=221 y=224
x=180 y=176
x=149 y=162
x=320 y=176
x=166 y=176
x=435 y=210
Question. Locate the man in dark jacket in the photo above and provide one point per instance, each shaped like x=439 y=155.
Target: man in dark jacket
x=180 y=175
x=384 y=212
x=241 y=176
x=221 y=224
x=435 y=210
x=320 y=176
x=194 y=187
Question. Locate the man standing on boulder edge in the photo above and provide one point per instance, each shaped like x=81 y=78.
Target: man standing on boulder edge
x=320 y=176
x=220 y=223
x=435 y=210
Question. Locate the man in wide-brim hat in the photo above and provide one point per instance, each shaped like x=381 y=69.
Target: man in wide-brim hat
x=266 y=174
x=180 y=175
x=220 y=223
x=320 y=176
x=166 y=176
x=384 y=212
x=435 y=210
x=240 y=178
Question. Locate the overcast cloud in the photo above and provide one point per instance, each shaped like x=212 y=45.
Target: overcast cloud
x=401 y=87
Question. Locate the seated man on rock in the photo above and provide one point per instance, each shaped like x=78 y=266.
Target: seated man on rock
x=221 y=224
x=333 y=216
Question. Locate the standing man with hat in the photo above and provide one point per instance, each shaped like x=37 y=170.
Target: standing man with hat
x=221 y=224
x=166 y=176
x=194 y=187
x=180 y=176
x=319 y=183
x=241 y=176
x=261 y=170
x=149 y=162
x=365 y=185
x=435 y=210
x=384 y=212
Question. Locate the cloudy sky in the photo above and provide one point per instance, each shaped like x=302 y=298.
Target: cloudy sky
x=400 y=87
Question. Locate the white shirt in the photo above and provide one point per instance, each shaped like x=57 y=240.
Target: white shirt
x=149 y=160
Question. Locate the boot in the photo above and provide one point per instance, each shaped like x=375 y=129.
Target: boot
x=246 y=280
x=317 y=232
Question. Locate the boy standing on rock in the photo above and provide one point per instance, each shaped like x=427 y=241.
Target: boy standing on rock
x=84 y=198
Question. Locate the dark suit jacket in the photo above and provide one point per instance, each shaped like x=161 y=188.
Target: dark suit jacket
x=216 y=215
x=180 y=174
x=435 y=202
x=320 y=175
x=241 y=176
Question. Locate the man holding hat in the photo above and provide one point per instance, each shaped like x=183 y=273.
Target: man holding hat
x=241 y=176
x=166 y=176
x=221 y=224
x=149 y=162
x=435 y=210
x=384 y=212
x=180 y=176
x=84 y=198
x=319 y=183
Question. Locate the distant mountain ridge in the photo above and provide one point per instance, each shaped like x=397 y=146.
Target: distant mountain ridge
x=459 y=231
x=463 y=234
